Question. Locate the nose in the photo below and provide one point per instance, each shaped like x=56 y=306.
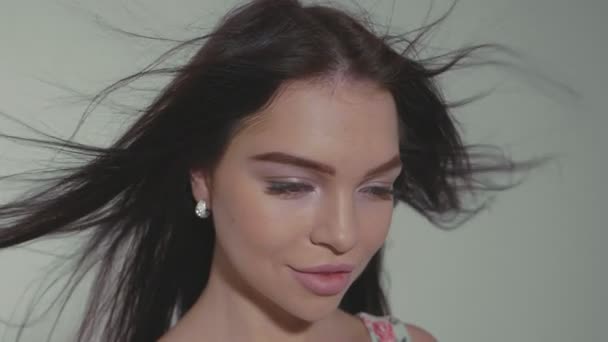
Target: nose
x=337 y=227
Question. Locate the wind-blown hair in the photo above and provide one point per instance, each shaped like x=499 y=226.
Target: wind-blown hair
x=134 y=199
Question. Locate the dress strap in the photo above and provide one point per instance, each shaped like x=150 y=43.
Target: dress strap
x=385 y=328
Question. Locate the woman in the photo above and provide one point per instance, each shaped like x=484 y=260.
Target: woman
x=251 y=199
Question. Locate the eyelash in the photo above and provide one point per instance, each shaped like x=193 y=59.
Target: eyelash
x=290 y=189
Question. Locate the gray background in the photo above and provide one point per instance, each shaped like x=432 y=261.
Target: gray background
x=532 y=268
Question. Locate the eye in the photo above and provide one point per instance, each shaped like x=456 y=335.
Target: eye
x=288 y=189
x=381 y=192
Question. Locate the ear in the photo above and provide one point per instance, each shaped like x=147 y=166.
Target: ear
x=200 y=183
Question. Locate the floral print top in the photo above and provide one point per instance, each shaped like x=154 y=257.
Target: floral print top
x=385 y=328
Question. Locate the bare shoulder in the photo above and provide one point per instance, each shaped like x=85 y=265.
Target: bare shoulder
x=418 y=334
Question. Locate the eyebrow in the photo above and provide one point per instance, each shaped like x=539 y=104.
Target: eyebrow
x=284 y=158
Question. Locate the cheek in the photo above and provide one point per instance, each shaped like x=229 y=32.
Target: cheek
x=252 y=224
x=374 y=225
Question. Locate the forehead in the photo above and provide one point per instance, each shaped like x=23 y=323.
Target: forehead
x=334 y=122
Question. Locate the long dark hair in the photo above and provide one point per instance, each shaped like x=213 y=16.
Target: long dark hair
x=134 y=198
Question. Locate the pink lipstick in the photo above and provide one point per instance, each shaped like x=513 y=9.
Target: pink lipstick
x=324 y=280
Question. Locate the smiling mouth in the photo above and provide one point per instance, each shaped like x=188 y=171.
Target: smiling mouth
x=327 y=280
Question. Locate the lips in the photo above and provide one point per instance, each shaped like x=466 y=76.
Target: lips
x=324 y=280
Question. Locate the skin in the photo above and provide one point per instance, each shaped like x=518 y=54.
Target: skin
x=272 y=214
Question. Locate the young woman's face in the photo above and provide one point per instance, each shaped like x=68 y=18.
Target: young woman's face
x=302 y=198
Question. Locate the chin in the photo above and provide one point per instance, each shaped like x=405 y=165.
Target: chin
x=314 y=309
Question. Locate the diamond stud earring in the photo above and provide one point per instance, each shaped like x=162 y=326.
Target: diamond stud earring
x=201 y=209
